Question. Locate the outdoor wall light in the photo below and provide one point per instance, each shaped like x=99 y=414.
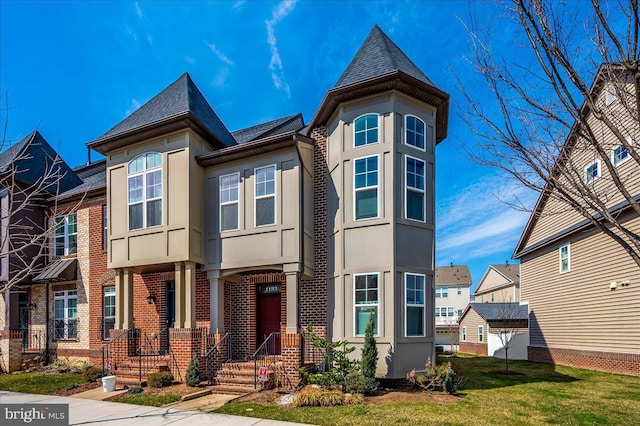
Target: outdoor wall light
x=32 y=306
x=151 y=299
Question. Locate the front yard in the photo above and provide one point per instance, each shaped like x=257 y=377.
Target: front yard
x=543 y=394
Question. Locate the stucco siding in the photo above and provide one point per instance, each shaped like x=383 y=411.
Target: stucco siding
x=577 y=309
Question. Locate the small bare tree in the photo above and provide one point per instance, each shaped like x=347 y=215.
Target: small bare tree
x=511 y=321
x=452 y=328
x=548 y=116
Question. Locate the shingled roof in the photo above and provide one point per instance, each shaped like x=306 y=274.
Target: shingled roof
x=94 y=179
x=32 y=158
x=379 y=55
x=271 y=128
x=500 y=311
x=180 y=100
x=454 y=274
x=512 y=272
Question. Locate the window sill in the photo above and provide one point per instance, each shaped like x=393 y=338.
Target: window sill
x=65 y=340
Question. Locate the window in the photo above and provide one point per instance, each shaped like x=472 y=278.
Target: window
x=266 y=195
x=414 y=304
x=442 y=291
x=565 y=258
x=480 y=333
x=415 y=182
x=592 y=172
x=229 y=202
x=108 y=311
x=365 y=130
x=66 y=235
x=464 y=334
x=144 y=184
x=493 y=299
x=620 y=154
x=66 y=315
x=450 y=311
x=366 y=302
x=104 y=228
x=414 y=133
x=366 y=187
x=459 y=313
x=610 y=95
x=459 y=290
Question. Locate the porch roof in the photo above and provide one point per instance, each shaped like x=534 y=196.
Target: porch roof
x=59 y=270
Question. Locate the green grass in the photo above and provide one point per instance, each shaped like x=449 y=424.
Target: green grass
x=38 y=383
x=151 y=400
x=544 y=394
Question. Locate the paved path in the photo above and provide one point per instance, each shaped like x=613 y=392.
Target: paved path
x=94 y=413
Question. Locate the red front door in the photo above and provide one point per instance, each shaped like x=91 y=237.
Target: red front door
x=269 y=316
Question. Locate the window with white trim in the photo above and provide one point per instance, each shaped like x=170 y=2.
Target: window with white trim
x=592 y=172
x=480 y=333
x=565 y=258
x=414 y=189
x=610 y=95
x=459 y=290
x=265 y=195
x=65 y=314
x=108 y=310
x=414 y=132
x=66 y=235
x=144 y=184
x=365 y=178
x=442 y=291
x=619 y=154
x=229 y=204
x=464 y=333
x=365 y=130
x=414 y=304
x=366 y=302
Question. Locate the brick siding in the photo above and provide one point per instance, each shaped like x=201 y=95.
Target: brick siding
x=473 y=348
x=610 y=362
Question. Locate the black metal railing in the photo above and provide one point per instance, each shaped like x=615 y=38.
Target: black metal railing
x=120 y=347
x=266 y=354
x=218 y=354
x=64 y=328
x=153 y=351
x=105 y=325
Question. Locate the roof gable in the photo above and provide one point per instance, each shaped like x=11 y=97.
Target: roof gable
x=181 y=99
x=498 y=276
x=499 y=311
x=379 y=55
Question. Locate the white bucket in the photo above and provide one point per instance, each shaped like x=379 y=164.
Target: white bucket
x=109 y=383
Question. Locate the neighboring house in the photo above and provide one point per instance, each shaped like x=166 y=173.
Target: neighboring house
x=500 y=283
x=453 y=289
x=482 y=323
x=583 y=289
x=228 y=245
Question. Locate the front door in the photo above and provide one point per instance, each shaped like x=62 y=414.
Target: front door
x=171 y=316
x=269 y=315
x=23 y=306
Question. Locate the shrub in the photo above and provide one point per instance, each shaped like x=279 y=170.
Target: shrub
x=193 y=373
x=369 y=361
x=60 y=365
x=355 y=382
x=440 y=378
x=79 y=367
x=135 y=389
x=310 y=397
x=449 y=383
x=160 y=379
x=92 y=374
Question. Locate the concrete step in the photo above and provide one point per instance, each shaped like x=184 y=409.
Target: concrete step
x=232 y=389
x=128 y=382
x=238 y=380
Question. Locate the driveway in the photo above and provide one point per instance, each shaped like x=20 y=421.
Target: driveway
x=93 y=413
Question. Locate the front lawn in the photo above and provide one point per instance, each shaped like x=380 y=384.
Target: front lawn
x=144 y=399
x=543 y=394
x=39 y=383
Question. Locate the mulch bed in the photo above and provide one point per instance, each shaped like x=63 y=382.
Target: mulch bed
x=80 y=388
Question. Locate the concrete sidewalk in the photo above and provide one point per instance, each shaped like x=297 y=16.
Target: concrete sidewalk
x=91 y=412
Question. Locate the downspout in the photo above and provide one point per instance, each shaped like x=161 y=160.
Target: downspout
x=46 y=324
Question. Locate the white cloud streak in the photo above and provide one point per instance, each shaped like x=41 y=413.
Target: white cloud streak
x=138 y=10
x=221 y=56
x=283 y=9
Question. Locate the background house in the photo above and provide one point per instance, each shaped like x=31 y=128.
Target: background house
x=452 y=295
x=482 y=324
x=500 y=283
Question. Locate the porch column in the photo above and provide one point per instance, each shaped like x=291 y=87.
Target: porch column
x=119 y=283
x=179 y=278
x=189 y=295
x=292 y=302
x=127 y=294
x=216 y=303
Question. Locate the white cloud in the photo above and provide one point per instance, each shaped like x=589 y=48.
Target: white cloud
x=138 y=10
x=283 y=9
x=221 y=78
x=219 y=54
x=189 y=60
x=132 y=33
x=238 y=4
x=150 y=40
x=135 y=104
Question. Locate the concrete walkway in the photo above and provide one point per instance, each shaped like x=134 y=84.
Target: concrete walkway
x=91 y=412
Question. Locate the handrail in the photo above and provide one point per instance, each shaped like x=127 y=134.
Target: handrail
x=213 y=359
x=266 y=353
x=119 y=347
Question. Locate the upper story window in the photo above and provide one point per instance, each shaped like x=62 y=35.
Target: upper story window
x=459 y=290
x=265 y=195
x=366 y=302
x=592 y=172
x=66 y=235
x=414 y=132
x=565 y=258
x=415 y=183
x=366 y=187
x=610 y=95
x=442 y=291
x=414 y=304
x=229 y=197
x=619 y=154
x=365 y=130
x=145 y=191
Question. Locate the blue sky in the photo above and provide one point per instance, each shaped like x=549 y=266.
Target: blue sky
x=75 y=69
